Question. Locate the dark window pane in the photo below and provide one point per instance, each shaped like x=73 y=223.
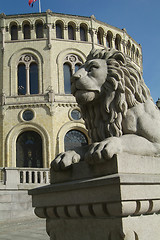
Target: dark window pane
x=39 y=30
x=26 y=31
x=59 y=31
x=29 y=150
x=77 y=66
x=70 y=32
x=73 y=139
x=117 y=42
x=67 y=77
x=14 y=32
x=109 y=40
x=28 y=115
x=21 y=79
x=82 y=34
x=75 y=114
x=33 y=78
x=99 y=38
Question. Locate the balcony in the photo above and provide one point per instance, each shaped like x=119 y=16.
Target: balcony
x=23 y=178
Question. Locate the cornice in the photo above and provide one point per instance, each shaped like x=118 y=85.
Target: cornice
x=99 y=210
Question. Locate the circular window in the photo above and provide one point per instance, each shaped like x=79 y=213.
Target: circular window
x=75 y=114
x=27 y=115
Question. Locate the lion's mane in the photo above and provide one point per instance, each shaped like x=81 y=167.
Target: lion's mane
x=124 y=88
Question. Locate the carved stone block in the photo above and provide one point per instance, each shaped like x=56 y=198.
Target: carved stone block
x=114 y=200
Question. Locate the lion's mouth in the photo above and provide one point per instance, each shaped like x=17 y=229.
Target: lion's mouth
x=79 y=90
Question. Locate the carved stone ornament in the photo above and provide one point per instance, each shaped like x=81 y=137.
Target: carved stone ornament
x=114 y=193
x=27 y=58
x=117 y=108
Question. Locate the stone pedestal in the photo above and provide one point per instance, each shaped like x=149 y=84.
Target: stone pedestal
x=118 y=199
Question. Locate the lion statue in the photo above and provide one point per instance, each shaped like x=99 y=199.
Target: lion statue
x=117 y=108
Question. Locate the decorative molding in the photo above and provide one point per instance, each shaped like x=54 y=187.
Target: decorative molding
x=22 y=106
x=67 y=104
x=99 y=210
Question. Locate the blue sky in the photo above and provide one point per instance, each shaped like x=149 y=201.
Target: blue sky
x=141 y=18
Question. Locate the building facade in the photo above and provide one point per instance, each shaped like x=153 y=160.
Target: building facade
x=39 y=117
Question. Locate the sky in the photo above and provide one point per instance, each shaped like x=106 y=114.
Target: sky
x=141 y=19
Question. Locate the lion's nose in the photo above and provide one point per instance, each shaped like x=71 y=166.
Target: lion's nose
x=75 y=77
x=79 y=74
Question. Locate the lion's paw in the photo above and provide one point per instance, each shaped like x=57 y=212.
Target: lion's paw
x=64 y=160
x=101 y=151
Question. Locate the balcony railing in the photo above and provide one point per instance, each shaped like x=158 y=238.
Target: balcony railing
x=23 y=178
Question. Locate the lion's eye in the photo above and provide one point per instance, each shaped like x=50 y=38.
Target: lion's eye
x=92 y=67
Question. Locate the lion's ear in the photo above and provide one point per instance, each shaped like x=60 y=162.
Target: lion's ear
x=119 y=56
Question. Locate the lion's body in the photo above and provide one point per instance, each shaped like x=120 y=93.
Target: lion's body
x=117 y=108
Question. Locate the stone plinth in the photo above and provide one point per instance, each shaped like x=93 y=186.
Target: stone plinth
x=118 y=199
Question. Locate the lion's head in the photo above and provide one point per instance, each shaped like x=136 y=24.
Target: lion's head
x=105 y=87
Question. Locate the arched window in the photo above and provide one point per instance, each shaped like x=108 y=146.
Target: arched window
x=133 y=52
x=118 y=42
x=83 y=33
x=71 y=32
x=128 y=48
x=109 y=39
x=27 y=31
x=29 y=150
x=100 y=36
x=59 y=30
x=28 y=75
x=137 y=56
x=39 y=30
x=14 y=32
x=70 y=66
x=73 y=139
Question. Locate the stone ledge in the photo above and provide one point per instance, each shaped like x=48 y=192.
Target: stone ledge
x=121 y=163
x=99 y=210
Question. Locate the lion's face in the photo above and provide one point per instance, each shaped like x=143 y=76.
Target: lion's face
x=88 y=80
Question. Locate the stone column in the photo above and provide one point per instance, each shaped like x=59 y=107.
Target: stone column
x=20 y=33
x=49 y=26
x=78 y=34
x=3 y=38
x=65 y=32
x=115 y=200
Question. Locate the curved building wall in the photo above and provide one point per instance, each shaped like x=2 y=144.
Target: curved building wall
x=47 y=41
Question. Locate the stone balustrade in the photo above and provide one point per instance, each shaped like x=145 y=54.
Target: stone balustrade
x=23 y=178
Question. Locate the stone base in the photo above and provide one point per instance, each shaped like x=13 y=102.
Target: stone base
x=15 y=204
x=123 y=203
x=129 y=228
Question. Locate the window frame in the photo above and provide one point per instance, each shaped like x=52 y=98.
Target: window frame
x=61 y=25
x=13 y=37
x=39 y=35
x=71 y=60
x=78 y=132
x=28 y=60
x=29 y=31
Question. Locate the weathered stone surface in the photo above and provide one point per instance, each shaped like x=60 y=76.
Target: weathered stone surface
x=120 y=163
x=15 y=204
x=110 y=206
x=114 y=193
x=117 y=109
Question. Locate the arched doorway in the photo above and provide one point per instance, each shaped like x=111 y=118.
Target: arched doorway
x=29 y=150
